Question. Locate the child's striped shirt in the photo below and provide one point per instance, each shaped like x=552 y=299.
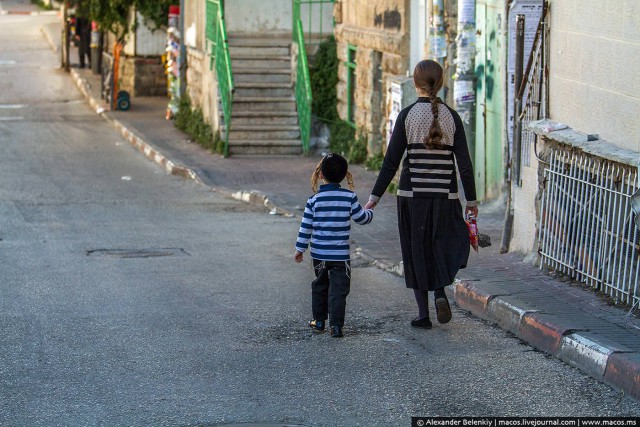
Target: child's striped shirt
x=327 y=223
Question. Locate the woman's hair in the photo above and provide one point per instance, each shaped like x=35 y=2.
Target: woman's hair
x=428 y=76
x=334 y=169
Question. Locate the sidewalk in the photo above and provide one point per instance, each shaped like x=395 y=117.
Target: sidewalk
x=559 y=318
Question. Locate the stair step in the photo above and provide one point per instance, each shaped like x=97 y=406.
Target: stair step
x=266 y=91
x=263 y=85
x=264 y=120
x=261 y=128
x=285 y=113
x=272 y=135
x=253 y=40
x=259 y=51
x=248 y=147
x=262 y=63
x=261 y=70
x=261 y=56
x=265 y=106
x=241 y=99
x=262 y=77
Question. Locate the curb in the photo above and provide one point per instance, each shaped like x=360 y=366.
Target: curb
x=614 y=365
x=49 y=38
x=154 y=154
x=599 y=358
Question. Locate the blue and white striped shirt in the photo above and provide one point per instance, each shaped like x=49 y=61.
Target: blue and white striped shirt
x=327 y=222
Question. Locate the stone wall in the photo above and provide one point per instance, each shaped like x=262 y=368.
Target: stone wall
x=143 y=76
x=379 y=31
x=201 y=85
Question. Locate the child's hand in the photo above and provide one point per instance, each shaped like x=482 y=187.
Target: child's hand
x=298 y=256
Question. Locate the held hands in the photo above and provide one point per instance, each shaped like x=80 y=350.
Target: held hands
x=370 y=204
x=298 y=256
x=471 y=210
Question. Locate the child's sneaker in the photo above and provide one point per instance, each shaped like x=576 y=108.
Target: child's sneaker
x=443 y=310
x=317 y=325
x=336 y=332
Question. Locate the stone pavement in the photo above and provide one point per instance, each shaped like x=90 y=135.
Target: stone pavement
x=560 y=318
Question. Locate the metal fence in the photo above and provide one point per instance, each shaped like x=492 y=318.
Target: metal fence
x=587 y=228
x=218 y=46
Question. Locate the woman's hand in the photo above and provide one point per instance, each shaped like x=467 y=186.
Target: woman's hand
x=471 y=210
x=370 y=204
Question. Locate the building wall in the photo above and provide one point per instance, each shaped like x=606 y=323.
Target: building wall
x=274 y=16
x=595 y=46
x=379 y=29
x=201 y=82
x=594 y=87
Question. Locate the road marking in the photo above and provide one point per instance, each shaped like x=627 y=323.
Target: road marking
x=7 y=62
x=10 y=118
x=11 y=106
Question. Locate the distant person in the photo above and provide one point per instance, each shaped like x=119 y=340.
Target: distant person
x=83 y=33
x=434 y=239
x=326 y=224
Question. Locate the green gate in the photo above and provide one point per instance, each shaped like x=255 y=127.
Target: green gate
x=315 y=10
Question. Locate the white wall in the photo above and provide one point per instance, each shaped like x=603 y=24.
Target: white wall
x=595 y=68
x=260 y=16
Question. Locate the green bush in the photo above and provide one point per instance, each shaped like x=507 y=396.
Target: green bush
x=374 y=162
x=193 y=124
x=341 y=136
x=358 y=150
x=324 y=81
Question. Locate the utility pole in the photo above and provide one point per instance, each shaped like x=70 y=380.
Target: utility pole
x=437 y=33
x=464 y=87
x=183 y=51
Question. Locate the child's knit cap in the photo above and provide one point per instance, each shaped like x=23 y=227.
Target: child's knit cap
x=334 y=168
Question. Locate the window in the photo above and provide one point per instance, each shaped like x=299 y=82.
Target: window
x=351 y=85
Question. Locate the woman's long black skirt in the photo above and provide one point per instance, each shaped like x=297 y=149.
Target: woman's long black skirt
x=434 y=240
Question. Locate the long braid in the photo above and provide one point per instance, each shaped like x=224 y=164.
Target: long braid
x=315 y=177
x=350 y=181
x=434 y=138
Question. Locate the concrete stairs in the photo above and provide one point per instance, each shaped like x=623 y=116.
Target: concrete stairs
x=264 y=119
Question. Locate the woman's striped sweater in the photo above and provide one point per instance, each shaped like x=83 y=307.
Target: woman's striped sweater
x=326 y=223
x=427 y=172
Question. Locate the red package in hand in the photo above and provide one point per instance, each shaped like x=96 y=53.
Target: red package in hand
x=473 y=231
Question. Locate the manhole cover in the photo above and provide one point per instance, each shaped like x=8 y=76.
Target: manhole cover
x=138 y=253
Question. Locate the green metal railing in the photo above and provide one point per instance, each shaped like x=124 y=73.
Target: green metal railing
x=303 y=80
x=216 y=32
x=303 y=87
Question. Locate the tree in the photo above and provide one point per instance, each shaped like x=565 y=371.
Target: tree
x=113 y=15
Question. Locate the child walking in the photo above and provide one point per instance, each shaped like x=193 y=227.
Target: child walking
x=326 y=224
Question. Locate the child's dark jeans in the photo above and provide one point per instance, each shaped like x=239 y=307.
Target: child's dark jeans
x=330 y=290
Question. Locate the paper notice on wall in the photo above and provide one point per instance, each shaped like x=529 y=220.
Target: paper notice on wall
x=437 y=46
x=463 y=91
x=467 y=11
x=396 y=107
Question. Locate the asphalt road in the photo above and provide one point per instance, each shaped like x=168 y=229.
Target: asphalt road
x=132 y=298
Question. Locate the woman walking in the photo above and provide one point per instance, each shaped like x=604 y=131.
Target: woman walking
x=433 y=235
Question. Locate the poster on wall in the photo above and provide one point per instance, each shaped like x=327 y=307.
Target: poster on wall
x=532 y=10
x=396 y=107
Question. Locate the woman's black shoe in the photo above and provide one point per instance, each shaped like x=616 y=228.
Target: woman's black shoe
x=336 y=331
x=421 y=323
x=443 y=311
x=317 y=325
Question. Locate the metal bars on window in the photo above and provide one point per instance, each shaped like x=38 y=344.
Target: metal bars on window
x=533 y=93
x=587 y=228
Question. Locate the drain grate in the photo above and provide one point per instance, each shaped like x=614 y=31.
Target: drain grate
x=138 y=253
